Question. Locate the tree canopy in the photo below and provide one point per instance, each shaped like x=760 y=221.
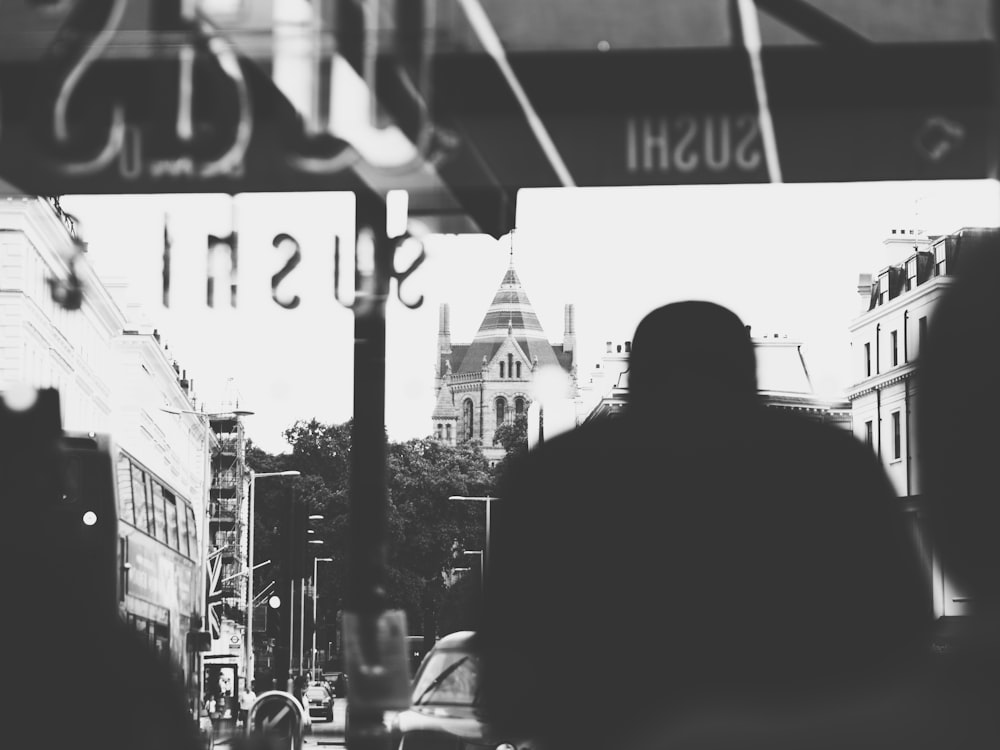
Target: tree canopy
x=423 y=523
x=513 y=436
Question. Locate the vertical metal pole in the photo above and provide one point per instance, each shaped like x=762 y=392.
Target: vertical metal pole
x=291 y=621
x=248 y=637
x=302 y=623
x=486 y=549
x=203 y=559
x=368 y=494
x=312 y=660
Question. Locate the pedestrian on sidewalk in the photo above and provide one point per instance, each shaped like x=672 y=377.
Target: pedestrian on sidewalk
x=247 y=698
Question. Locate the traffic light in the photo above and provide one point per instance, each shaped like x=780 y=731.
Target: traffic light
x=293 y=536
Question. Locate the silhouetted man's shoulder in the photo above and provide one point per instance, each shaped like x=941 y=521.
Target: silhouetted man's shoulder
x=588 y=449
x=795 y=438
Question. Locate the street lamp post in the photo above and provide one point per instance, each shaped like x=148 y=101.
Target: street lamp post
x=315 y=581
x=302 y=618
x=486 y=547
x=254 y=476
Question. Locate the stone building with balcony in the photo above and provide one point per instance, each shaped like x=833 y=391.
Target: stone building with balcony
x=898 y=303
x=481 y=385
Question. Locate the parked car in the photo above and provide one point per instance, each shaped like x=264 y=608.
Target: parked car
x=320 y=702
x=445 y=709
x=337 y=682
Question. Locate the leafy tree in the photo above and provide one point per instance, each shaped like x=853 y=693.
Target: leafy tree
x=422 y=522
x=513 y=436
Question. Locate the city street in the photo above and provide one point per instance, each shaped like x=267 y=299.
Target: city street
x=322 y=733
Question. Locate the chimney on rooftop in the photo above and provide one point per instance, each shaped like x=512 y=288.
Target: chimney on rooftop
x=569 y=329
x=865 y=289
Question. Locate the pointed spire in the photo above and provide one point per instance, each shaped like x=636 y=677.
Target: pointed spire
x=511 y=306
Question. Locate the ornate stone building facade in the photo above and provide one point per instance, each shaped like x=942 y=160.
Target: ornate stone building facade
x=914 y=272
x=483 y=384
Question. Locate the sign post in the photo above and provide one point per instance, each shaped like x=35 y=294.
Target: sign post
x=277 y=716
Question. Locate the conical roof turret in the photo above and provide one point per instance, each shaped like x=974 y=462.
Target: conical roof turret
x=510 y=311
x=510 y=315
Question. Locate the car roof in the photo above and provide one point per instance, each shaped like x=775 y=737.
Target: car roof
x=462 y=639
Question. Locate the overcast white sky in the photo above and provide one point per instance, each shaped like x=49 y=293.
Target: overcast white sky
x=786 y=258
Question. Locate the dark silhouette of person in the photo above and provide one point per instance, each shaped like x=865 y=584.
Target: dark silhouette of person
x=957 y=410
x=698 y=554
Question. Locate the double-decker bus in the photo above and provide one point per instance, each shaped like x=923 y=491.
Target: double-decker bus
x=146 y=553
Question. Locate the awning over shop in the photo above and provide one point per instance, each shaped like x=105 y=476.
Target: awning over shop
x=489 y=96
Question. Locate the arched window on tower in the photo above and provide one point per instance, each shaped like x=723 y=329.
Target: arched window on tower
x=440 y=433
x=519 y=369
x=501 y=404
x=501 y=369
x=518 y=406
x=447 y=432
x=467 y=423
x=510 y=364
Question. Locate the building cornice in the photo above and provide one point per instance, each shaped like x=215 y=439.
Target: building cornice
x=882 y=380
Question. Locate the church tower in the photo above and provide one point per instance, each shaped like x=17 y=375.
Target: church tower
x=486 y=383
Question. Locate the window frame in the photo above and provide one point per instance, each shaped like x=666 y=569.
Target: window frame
x=141 y=509
x=192 y=531
x=126 y=506
x=170 y=517
x=159 y=513
x=897 y=435
x=469 y=419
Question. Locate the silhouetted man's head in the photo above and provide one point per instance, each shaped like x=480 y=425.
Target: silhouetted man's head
x=689 y=346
